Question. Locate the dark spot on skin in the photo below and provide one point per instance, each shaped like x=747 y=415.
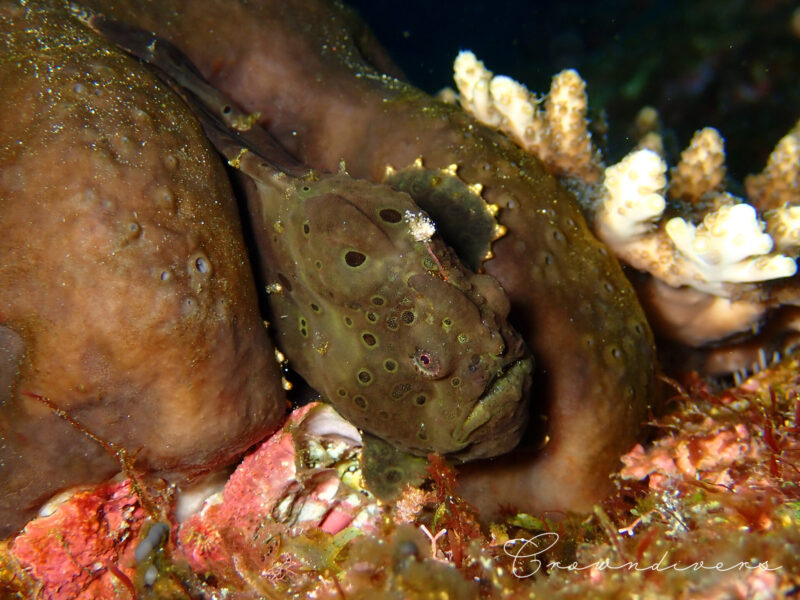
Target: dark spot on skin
x=638 y=328
x=226 y=110
x=548 y=258
x=303 y=327
x=420 y=400
x=390 y=365
x=306 y=188
x=383 y=415
x=342 y=392
x=455 y=382
x=400 y=390
x=558 y=236
x=348 y=321
x=354 y=258
x=165 y=275
x=284 y=282
x=318 y=265
x=360 y=402
x=364 y=377
x=390 y=215
x=391 y=323
x=353 y=306
x=372 y=317
x=428 y=264
x=369 y=339
x=408 y=317
x=393 y=475
x=315 y=308
x=378 y=300
x=608 y=287
x=422 y=435
x=306 y=228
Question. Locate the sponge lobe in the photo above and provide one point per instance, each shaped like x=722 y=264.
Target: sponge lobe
x=126 y=296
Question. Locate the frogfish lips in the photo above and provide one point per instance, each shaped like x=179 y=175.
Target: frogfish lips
x=498 y=419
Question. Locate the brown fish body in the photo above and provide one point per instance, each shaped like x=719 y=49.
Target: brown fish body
x=404 y=341
x=126 y=296
x=305 y=67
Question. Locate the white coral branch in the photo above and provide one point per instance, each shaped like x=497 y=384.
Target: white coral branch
x=729 y=247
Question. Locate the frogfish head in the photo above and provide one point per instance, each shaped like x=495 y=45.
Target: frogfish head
x=379 y=316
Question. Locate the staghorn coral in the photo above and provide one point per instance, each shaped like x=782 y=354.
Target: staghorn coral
x=778 y=186
x=724 y=256
x=783 y=225
x=701 y=169
x=729 y=247
x=558 y=134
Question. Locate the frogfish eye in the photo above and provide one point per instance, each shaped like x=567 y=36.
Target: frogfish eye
x=426 y=363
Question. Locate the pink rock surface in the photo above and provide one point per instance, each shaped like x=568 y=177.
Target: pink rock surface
x=84 y=550
x=270 y=494
x=293 y=484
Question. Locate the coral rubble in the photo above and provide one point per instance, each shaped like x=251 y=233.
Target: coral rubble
x=710 y=509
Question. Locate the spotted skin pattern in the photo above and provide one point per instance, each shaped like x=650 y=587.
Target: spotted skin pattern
x=415 y=350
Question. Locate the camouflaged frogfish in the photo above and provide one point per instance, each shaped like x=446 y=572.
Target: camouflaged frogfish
x=367 y=303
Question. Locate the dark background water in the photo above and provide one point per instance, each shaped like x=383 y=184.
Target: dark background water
x=732 y=65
